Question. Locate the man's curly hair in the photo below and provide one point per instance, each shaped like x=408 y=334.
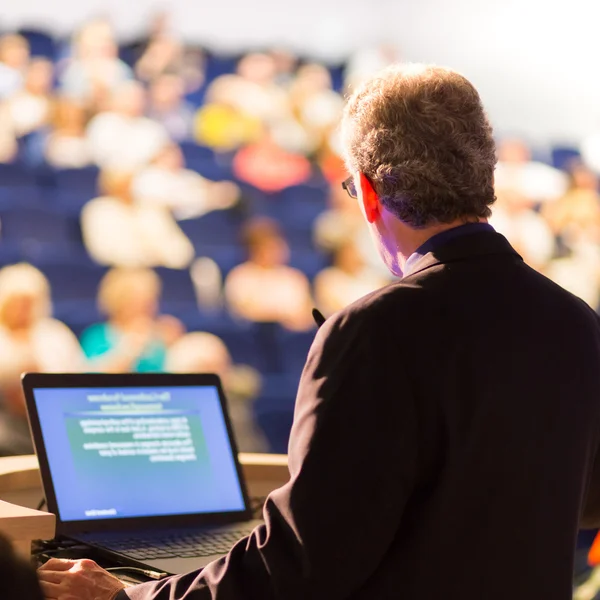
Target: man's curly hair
x=421 y=136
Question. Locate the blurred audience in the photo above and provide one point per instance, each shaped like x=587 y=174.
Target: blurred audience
x=122 y=137
x=206 y=353
x=14 y=58
x=67 y=146
x=119 y=231
x=516 y=173
x=346 y=281
x=265 y=288
x=272 y=119
x=134 y=337
x=167 y=184
x=94 y=71
x=30 y=340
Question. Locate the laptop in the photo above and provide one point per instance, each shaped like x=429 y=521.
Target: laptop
x=142 y=467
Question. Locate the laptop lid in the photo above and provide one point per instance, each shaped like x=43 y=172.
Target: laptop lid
x=135 y=451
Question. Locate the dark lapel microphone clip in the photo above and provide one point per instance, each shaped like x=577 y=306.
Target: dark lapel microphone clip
x=318 y=317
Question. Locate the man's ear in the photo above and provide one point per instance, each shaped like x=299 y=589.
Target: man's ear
x=370 y=199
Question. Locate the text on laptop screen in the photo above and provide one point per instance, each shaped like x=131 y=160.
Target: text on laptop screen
x=133 y=452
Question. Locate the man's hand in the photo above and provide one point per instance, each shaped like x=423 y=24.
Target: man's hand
x=77 y=580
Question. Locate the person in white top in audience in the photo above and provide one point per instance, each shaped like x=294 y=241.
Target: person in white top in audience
x=30 y=340
x=95 y=70
x=529 y=234
x=346 y=281
x=30 y=108
x=122 y=137
x=317 y=106
x=576 y=219
x=67 y=146
x=517 y=173
x=14 y=57
x=119 y=232
x=201 y=352
x=166 y=183
x=265 y=288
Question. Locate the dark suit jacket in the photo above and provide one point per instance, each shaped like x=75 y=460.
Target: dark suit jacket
x=443 y=445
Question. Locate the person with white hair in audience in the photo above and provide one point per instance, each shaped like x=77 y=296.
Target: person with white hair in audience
x=201 y=352
x=30 y=340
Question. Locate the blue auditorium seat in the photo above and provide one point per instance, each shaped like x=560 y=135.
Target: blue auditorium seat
x=75 y=282
x=310 y=262
x=80 y=180
x=274 y=410
x=40 y=232
x=238 y=335
x=562 y=156
x=178 y=294
x=70 y=202
x=194 y=152
x=16 y=175
x=220 y=227
x=40 y=43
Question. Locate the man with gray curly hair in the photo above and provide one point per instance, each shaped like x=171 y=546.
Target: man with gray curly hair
x=445 y=441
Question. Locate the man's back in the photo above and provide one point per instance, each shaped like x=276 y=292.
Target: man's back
x=503 y=372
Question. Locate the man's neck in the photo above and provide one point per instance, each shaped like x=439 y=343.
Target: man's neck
x=411 y=239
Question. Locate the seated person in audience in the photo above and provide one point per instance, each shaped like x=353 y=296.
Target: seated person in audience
x=269 y=167
x=14 y=57
x=529 y=234
x=317 y=107
x=578 y=211
x=167 y=184
x=253 y=90
x=167 y=106
x=161 y=52
x=575 y=219
x=18 y=578
x=117 y=231
x=134 y=338
x=67 y=146
x=30 y=108
x=30 y=340
x=517 y=173
x=346 y=281
x=239 y=105
x=122 y=137
x=200 y=352
x=265 y=289
x=94 y=71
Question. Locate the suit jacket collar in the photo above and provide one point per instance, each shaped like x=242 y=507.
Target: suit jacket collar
x=482 y=243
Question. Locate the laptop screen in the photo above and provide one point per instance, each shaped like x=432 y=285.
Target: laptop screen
x=138 y=452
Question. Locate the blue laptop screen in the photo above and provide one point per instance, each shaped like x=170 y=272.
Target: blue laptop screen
x=138 y=452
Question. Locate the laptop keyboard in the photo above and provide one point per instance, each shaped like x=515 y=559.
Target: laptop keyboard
x=173 y=545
